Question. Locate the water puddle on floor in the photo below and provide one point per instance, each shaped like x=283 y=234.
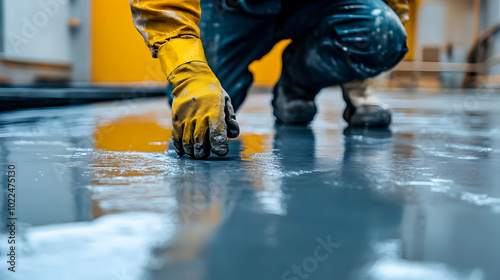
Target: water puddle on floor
x=102 y=195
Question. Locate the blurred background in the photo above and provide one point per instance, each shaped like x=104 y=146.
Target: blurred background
x=91 y=49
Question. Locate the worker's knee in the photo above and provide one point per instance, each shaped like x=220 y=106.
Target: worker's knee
x=388 y=41
x=371 y=42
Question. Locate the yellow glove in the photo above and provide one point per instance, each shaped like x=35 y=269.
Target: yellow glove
x=202 y=114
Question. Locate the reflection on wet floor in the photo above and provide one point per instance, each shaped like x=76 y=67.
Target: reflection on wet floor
x=100 y=198
x=138 y=134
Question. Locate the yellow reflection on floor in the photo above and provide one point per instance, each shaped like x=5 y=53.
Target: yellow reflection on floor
x=128 y=171
x=252 y=144
x=136 y=133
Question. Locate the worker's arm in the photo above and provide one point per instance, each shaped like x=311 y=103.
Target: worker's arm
x=202 y=115
x=401 y=8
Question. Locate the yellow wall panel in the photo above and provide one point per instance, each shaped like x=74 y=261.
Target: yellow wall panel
x=411 y=28
x=268 y=69
x=119 y=53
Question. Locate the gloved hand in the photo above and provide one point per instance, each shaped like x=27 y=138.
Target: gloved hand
x=202 y=115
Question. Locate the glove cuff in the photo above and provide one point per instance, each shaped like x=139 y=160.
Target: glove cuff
x=180 y=51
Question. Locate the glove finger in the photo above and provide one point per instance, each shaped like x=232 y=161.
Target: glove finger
x=177 y=139
x=187 y=138
x=218 y=138
x=233 y=128
x=201 y=141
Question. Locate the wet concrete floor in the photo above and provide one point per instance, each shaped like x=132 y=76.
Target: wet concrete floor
x=98 y=197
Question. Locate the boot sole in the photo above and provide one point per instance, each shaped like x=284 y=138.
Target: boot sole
x=297 y=112
x=368 y=116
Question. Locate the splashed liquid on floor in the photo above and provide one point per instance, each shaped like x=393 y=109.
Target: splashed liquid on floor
x=102 y=195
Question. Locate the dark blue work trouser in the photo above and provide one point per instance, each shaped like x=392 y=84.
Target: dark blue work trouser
x=333 y=42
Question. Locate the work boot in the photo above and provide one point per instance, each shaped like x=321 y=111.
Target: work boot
x=364 y=109
x=293 y=105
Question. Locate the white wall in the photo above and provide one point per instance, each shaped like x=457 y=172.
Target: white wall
x=430 y=26
x=443 y=22
x=32 y=26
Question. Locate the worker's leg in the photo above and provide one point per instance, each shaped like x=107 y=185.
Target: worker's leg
x=232 y=39
x=355 y=40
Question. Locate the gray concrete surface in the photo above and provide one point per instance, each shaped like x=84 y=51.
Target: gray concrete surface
x=97 y=198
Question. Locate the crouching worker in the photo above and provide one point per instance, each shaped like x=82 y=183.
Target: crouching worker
x=205 y=48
